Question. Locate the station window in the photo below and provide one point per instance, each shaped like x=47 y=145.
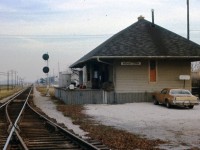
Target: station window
x=152 y=70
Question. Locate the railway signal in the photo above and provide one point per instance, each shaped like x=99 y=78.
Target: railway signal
x=45 y=56
x=46 y=70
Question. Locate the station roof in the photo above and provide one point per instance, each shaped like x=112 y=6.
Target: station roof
x=143 y=39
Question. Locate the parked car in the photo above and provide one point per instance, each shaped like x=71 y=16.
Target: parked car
x=178 y=97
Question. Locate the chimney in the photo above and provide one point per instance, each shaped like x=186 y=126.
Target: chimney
x=140 y=18
x=152 y=13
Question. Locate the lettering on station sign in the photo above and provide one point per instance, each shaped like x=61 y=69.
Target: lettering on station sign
x=129 y=63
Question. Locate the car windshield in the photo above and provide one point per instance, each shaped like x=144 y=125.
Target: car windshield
x=179 y=91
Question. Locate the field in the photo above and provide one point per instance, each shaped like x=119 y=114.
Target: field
x=5 y=93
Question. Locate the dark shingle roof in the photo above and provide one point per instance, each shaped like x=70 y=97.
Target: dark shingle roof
x=144 y=40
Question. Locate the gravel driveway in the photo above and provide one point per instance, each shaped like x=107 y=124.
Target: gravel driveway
x=179 y=126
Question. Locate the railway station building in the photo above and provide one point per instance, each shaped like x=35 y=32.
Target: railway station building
x=133 y=63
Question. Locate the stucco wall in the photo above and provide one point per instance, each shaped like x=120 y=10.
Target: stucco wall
x=136 y=78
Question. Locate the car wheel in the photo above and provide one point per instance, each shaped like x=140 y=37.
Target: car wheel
x=191 y=106
x=168 y=105
x=155 y=101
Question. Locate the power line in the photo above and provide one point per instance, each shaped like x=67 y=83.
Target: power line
x=54 y=36
x=195 y=30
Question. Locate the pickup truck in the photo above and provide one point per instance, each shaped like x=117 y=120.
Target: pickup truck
x=178 y=97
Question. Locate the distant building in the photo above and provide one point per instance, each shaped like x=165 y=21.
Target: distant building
x=64 y=79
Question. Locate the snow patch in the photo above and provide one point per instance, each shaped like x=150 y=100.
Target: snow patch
x=49 y=108
x=180 y=126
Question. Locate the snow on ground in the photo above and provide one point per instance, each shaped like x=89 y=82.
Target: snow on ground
x=180 y=126
x=49 y=108
x=177 y=125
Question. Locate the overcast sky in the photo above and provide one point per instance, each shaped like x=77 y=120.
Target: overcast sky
x=68 y=29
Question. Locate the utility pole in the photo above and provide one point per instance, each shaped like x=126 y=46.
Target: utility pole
x=188 y=21
x=15 y=78
x=8 y=81
x=12 y=78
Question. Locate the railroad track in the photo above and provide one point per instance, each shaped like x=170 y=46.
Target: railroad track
x=3 y=128
x=4 y=122
x=28 y=129
x=5 y=119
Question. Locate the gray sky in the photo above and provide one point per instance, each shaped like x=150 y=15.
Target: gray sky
x=68 y=29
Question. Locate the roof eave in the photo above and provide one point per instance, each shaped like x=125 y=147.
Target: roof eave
x=81 y=63
x=175 y=57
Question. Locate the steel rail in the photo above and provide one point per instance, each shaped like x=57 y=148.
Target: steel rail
x=6 y=104
x=75 y=138
x=15 y=124
x=21 y=140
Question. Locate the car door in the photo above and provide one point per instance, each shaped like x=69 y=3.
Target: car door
x=163 y=95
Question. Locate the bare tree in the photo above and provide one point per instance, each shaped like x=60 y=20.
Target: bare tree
x=195 y=66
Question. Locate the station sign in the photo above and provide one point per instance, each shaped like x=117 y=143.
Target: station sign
x=184 y=77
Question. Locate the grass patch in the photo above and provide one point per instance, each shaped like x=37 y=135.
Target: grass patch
x=5 y=93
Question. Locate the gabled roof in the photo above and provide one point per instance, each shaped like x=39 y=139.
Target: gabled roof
x=143 y=40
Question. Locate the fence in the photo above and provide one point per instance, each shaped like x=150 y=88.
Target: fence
x=91 y=96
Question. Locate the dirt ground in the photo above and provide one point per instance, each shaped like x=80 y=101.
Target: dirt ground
x=179 y=126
